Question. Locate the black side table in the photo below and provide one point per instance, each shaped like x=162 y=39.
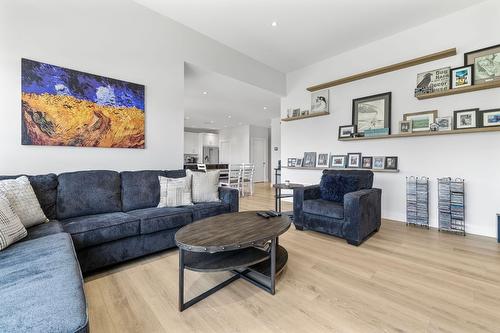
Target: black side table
x=278 y=195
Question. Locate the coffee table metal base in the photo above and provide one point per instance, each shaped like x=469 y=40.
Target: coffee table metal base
x=262 y=274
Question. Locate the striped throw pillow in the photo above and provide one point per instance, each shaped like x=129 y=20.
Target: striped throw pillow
x=175 y=192
x=11 y=228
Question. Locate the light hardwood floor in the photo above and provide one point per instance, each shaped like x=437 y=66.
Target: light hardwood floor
x=403 y=279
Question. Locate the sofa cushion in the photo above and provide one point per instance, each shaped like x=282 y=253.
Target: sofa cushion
x=365 y=176
x=334 y=187
x=41 y=287
x=325 y=208
x=175 y=192
x=205 y=186
x=97 y=229
x=11 y=228
x=45 y=187
x=175 y=173
x=87 y=193
x=140 y=189
x=156 y=219
x=208 y=209
x=44 y=229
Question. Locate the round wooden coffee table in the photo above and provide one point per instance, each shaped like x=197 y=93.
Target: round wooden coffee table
x=243 y=243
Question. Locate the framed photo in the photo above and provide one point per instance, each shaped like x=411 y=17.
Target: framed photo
x=346 y=131
x=291 y=162
x=405 y=126
x=367 y=162
x=462 y=76
x=338 y=161
x=354 y=160
x=378 y=162
x=320 y=101
x=296 y=112
x=391 y=163
x=490 y=118
x=421 y=121
x=304 y=113
x=322 y=161
x=431 y=81
x=309 y=160
x=486 y=64
x=372 y=112
x=298 y=163
x=444 y=123
x=465 y=118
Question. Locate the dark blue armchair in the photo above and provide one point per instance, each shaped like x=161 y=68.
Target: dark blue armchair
x=353 y=216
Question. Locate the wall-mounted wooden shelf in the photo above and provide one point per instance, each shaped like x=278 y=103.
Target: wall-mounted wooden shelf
x=482 y=86
x=386 y=69
x=415 y=134
x=310 y=115
x=374 y=170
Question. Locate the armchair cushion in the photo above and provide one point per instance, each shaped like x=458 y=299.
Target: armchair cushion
x=324 y=208
x=334 y=187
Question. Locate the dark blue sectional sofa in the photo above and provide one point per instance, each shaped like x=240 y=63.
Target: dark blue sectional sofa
x=97 y=218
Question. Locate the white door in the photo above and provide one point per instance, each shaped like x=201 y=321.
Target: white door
x=259 y=159
x=225 y=152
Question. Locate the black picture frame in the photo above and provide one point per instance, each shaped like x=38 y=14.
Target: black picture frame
x=344 y=157
x=291 y=162
x=387 y=96
x=309 y=160
x=457 y=68
x=391 y=167
x=349 y=158
x=368 y=158
x=354 y=129
x=481 y=113
x=476 y=115
x=468 y=54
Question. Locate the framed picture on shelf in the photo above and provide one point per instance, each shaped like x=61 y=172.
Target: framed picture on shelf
x=462 y=76
x=338 y=161
x=320 y=101
x=444 y=123
x=304 y=113
x=486 y=64
x=367 y=162
x=298 y=163
x=322 y=160
x=421 y=121
x=372 y=112
x=296 y=112
x=391 y=163
x=291 y=162
x=378 y=163
x=432 y=81
x=309 y=160
x=346 y=131
x=405 y=126
x=490 y=118
x=465 y=118
x=354 y=160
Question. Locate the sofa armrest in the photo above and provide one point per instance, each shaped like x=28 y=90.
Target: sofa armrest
x=362 y=214
x=299 y=195
x=230 y=196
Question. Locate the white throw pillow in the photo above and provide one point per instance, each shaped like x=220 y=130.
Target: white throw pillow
x=175 y=192
x=23 y=201
x=11 y=228
x=205 y=186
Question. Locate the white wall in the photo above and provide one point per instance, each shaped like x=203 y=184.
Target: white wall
x=275 y=142
x=118 y=39
x=475 y=157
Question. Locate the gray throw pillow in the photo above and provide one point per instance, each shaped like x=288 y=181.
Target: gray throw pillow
x=205 y=186
x=11 y=228
x=175 y=192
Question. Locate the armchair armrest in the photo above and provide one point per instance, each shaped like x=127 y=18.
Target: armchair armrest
x=362 y=214
x=299 y=195
x=230 y=196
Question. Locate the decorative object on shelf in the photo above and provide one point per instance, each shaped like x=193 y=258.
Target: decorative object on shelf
x=372 y=112
x=444 y=123
x=462 y=77
x=320 y=101
x=417 y=201
x=391 y=163
x=298 y=163
x=432 y=81
x=338 y=161
x=490 y=117
x=65 y=107
x=451 y=205
x=434 y=127
x=367 y=162
x=296 y=112
x=357 y=135
x=376 y=132
x=421 y=121
x=304 y=113
x=322 y=160
x=465 y=118
x=291 y=162
x=346 y=131
x=378 y=162
x=289 y=112
x=309 y=160
x=354 y=160
x=486 y=64
x=405 y=126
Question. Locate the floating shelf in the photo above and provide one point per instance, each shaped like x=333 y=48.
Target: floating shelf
x=482 y=86
x=374 y=170
x=386 y=69
x=410 y=135
x=311 y=115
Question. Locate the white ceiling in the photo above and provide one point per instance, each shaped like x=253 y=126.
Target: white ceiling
x=307 y=31
x=228 y=102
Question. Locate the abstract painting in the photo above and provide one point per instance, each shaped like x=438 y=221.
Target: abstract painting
x=64 y=107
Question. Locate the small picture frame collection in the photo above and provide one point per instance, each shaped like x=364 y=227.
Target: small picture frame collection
x=348 y=161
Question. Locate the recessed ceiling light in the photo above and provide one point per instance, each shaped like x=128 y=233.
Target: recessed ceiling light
x=205 y=92
x=274 y=24
x=265 y=107
x=229 y=116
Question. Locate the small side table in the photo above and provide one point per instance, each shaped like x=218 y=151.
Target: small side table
x=278 y=195
x=498 y=228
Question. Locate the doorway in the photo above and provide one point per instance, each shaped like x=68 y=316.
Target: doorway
x=260 y=159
